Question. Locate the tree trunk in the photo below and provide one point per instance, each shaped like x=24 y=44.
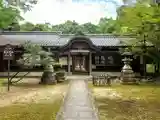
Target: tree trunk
x=48 y=78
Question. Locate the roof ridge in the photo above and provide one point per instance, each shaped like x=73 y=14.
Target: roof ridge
x=61 y=34
x=31 y=32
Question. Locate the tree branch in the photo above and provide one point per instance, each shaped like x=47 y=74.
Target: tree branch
x=20 y=78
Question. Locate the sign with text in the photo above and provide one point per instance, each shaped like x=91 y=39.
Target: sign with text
x=8 y=53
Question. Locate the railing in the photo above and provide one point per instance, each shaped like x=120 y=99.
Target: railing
x=102 y=80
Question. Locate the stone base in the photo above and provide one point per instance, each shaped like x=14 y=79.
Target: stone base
x=129 y=80
x=48 y=78
x=127 y=76
x=129 y=83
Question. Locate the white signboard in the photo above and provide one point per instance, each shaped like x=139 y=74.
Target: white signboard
x=8 y=53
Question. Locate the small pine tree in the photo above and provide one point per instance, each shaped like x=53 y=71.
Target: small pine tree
x=35 y=56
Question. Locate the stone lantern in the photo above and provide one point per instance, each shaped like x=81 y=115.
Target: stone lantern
x=48 y=76
x=127 y=74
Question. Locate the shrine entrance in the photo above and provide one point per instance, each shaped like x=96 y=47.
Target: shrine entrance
x=81 y=61
x=79 y=51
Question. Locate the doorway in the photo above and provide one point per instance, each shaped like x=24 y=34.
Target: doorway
x=80 y=64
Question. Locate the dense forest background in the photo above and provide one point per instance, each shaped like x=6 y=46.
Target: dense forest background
x=140 y=18
x=131 y=18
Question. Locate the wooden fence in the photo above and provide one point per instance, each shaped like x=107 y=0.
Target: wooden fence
x=102 y=80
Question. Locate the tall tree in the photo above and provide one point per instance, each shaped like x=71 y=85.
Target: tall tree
x=33 y=56
x=42 y=27
x=69 y=27
x=108 y=25
x=90 y=28
x=9 y=15
x=27 y=26
x=142 y=20
x=24 y=5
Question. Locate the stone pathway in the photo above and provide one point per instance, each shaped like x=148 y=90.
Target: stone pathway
x=78 y=105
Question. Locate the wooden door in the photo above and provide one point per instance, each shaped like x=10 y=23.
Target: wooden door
x=80 y=63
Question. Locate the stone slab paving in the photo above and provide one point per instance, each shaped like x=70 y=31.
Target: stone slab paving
x=78 y=105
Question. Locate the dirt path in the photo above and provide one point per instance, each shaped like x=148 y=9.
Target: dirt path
x=78 y=104
x=32 y=94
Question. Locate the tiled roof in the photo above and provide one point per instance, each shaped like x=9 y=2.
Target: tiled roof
x=56 y=39
x=37 y=39
x=4 y=41
x=105 y=41
x=64 y=40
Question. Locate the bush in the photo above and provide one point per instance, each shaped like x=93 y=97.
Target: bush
x=48 y=76
x=60 y=76
x=57 y=67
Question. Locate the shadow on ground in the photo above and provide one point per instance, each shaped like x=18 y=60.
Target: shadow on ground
x=119 y=109
x=32 y=111
x=128 y=102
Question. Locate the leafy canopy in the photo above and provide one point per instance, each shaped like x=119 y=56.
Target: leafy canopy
x=34 y=55
x=8 y=15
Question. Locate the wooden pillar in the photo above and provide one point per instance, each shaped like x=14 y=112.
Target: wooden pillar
x=57 y=56
x=49 y=49
x=90 y=63
x=1 y=62
x=68 y=63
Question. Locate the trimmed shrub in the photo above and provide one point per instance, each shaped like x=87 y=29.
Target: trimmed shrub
x=60 y=76
x=57 y=67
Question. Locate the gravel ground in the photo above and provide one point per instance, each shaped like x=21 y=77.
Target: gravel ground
x=107 y=93
x=29 y=91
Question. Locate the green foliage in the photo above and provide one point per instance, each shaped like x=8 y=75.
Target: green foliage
x=71 y=27
x=42 y=27
x=8 y=15
x=57 y=67
x=140 y=20
x=24 y=5
x=32 y=111
x=90 y=28
x=27 y=26
x=46 y=58
x=38 y=27
x=60 y=76
x=35 y=56
x=150 y=68
x=143 y=21
x=134 y=17
x=79 y=33
x=108 y=25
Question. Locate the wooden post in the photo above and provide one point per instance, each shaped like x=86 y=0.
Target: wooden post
x=8 y=54
x=68 y=62
x=90 y=63
x=57 y=56
x=49 y=49
x=8 y=75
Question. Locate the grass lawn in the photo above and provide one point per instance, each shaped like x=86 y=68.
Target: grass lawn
x=2 y=80
x=28 y=100
x=31 y=111
x=128 y=102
